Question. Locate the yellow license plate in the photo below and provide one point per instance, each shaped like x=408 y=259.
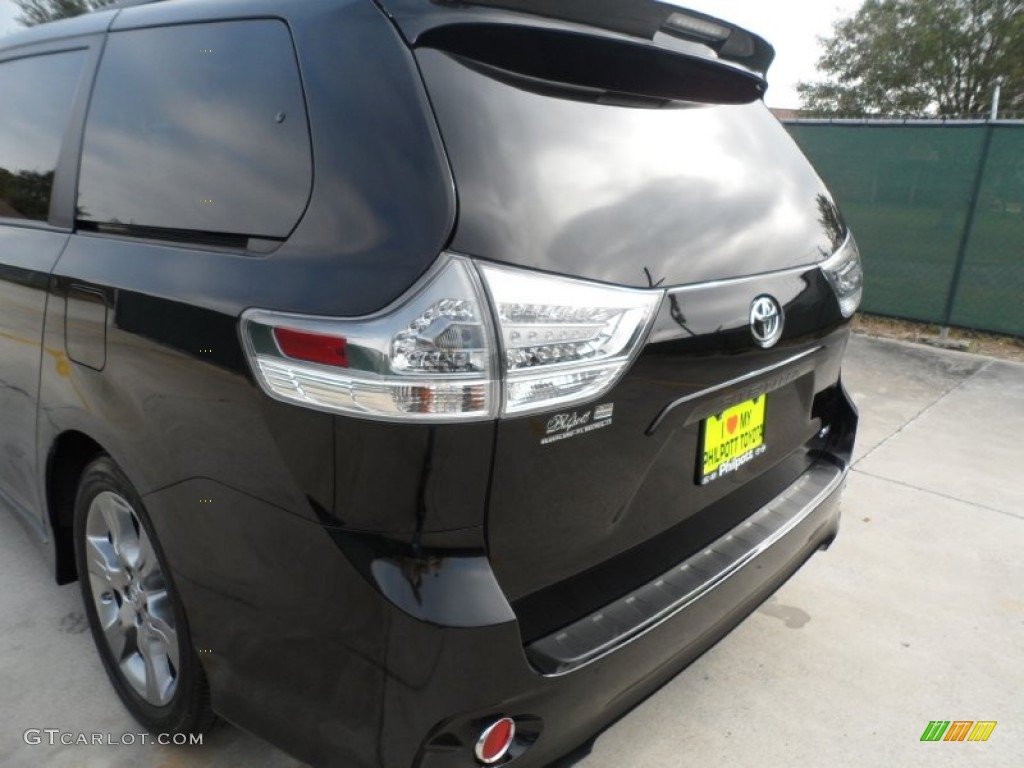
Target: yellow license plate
x=731 y=439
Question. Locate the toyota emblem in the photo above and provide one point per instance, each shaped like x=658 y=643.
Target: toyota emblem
x=766 y=320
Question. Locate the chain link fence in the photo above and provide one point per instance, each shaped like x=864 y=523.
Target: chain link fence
x=938 y=211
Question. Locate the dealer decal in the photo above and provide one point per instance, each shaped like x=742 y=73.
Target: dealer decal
x=573 y=423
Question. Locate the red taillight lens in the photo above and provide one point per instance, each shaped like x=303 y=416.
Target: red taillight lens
x=495 y=741
x=434 y=354
x=312 y=347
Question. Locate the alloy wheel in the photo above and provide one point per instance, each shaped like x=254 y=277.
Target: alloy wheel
x=133 y=605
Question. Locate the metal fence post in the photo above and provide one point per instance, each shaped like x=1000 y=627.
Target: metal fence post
x=965 y=238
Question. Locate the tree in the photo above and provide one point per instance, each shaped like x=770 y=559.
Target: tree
x=26 y=193
x=921 y=57
x=41 y=11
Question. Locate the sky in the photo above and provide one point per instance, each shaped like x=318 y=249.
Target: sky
x=8 y=11
x=792 y=26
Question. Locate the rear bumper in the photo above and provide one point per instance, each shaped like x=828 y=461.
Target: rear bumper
x=341 y=657
x=645 y=647
x=595 y=636
x=318 y=661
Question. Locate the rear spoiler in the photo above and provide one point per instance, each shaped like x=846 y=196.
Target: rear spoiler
x=650 y=20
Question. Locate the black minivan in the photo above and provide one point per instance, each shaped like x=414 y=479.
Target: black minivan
x=413 y=382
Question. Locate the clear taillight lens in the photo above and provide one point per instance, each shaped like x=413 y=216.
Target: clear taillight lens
x=846 y=276
x=434 y=354
x=563 y=341
x=429 y=357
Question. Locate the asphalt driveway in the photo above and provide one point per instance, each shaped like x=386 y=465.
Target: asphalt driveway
x=915 y=614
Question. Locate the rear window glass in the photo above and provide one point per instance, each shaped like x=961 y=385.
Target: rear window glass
x=36 y=94
x=198 y=128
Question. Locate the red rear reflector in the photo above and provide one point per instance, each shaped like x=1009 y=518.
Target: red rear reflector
x=313 y=347
x=495 y=741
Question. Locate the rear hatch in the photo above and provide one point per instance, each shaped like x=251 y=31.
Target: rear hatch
x=627 y=143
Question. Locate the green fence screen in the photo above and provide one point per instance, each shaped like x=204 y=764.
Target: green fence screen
x=938 y=212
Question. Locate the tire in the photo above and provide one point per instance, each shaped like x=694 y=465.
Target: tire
x=136 y=617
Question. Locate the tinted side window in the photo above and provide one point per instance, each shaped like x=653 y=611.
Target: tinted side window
x=199 y=127
x=36 y=94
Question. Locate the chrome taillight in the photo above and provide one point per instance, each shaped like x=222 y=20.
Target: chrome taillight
x=563 y=340
x=428 y=357
x=453 y=350
x=846 y=275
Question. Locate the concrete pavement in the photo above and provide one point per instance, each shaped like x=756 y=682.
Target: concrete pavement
x=916 y=613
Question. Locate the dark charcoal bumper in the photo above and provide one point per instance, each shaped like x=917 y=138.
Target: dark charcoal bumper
x=640 y=611
x=603 y=665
